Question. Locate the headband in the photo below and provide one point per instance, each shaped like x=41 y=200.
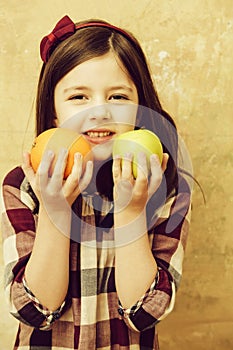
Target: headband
x=64 y=29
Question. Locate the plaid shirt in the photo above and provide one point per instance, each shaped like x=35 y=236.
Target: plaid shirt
x=91 y=317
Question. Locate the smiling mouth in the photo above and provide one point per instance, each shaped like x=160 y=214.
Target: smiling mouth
x=98 y=136
x=93 y=134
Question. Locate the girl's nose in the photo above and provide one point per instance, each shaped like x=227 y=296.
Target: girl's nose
x=100 y=112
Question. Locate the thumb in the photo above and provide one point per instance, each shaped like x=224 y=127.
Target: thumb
x=26 y=166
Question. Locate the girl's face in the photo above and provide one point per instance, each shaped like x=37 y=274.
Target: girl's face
x=99 y=100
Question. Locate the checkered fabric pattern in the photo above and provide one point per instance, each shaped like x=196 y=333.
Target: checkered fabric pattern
x=91 y=317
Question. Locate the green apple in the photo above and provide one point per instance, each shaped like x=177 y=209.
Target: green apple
x=137 y=141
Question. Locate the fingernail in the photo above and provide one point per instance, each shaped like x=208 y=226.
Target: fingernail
x=128 y=155
x=155 y=158
x=116 y=156
x=78 y=155
x=50 y=153
x=64 y=151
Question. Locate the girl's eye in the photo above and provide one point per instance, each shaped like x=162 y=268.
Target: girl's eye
x=119 y=97
x=78 y=97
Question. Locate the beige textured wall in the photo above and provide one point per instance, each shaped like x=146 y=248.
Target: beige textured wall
x=189 y=45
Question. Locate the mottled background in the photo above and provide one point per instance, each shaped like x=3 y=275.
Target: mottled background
x=189 y=45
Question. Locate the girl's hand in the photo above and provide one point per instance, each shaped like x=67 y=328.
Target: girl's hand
x=130 y=194
x=53 y=191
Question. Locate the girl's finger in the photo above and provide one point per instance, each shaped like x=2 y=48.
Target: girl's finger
x=164 y=161
x=46 y=162
x=141 y=182
x=76 y=182
x=126 y=166
x=72 y=180
x=155 y=163
x=142 y=167
x=156 y=173
x=43 y=170
x=27 y=168
x=116 y=168
x=60 y=165
x=87 y=176
x=77 y=169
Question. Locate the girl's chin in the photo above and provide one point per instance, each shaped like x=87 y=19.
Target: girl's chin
x=101 y=154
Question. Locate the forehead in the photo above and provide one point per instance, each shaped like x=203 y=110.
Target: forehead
x=101 y=69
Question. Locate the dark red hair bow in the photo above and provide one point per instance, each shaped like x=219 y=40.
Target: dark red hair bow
x=63 y=29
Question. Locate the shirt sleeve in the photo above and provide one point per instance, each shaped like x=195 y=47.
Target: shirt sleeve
x=50 y=316
x=168 y=238
x=18 y=232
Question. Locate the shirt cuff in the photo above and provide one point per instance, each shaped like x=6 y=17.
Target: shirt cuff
x=50 y=316
x=153 y=306
x=138 y=304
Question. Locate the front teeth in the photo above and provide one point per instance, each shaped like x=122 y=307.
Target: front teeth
x=98 y=134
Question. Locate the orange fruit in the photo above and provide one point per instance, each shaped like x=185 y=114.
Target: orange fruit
x=56 y=138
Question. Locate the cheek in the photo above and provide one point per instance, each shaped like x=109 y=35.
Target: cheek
x=66 y=116
x=124 y=115
x=64 y=111
x=70 y=118
x=74 y=122
x=124 y=128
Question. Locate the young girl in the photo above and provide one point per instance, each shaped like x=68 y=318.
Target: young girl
x=94 y=261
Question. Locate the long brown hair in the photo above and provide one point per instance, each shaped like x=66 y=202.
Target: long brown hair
x=91 y=42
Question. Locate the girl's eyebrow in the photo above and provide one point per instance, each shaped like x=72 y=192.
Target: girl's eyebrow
x=111 y=88
x=121 y=87
x=73 y=88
